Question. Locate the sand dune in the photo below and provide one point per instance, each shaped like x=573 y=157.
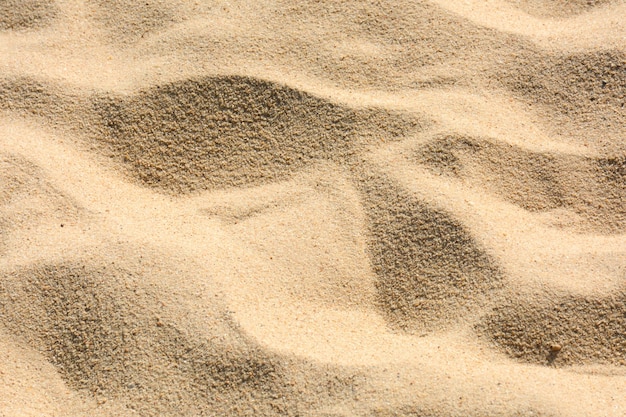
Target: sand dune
x=570 y=26
x=312 y=208
x=592 y=188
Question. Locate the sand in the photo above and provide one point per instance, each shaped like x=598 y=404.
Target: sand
x=305 y=208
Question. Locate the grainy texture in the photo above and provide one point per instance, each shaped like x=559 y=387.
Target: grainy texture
x=26 y=14
x=230 y=131
x=560 y=330
x=558 y=8
x=431 y=272
x=109 y=338
x=586 y=92
x=593 y=188
x=312 y=208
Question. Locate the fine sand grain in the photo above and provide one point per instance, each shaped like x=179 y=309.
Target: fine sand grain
x=305 y=208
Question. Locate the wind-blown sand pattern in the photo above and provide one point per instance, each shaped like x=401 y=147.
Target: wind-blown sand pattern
x=312 y=208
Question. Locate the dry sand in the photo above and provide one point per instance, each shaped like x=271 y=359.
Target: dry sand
x=306 y=208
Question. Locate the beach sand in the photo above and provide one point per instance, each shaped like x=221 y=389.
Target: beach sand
x=312 y=208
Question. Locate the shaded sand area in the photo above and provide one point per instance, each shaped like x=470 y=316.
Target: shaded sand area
x=305 y=208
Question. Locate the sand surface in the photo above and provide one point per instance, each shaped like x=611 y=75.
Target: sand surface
x=312 y=208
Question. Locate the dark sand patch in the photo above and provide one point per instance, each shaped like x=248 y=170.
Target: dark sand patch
x=559 y=330
x=431 y=271
x=593 y=188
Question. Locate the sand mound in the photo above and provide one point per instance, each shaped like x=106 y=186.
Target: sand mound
x=212 y=132
x=593 y=188
x=558 y=8
x=26 y=14
x=228 y=131
x=560 y=329
x=379 y=43
x=583 y=92
x=113 y=337
x=431 y=271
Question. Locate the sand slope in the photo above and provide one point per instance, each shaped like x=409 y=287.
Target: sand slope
x=312 y=208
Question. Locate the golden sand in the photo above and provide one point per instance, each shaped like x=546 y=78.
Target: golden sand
x=309 y=208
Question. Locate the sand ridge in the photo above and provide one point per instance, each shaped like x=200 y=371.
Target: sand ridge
x=309 y=208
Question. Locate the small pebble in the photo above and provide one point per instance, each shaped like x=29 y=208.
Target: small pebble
x=555 y=347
